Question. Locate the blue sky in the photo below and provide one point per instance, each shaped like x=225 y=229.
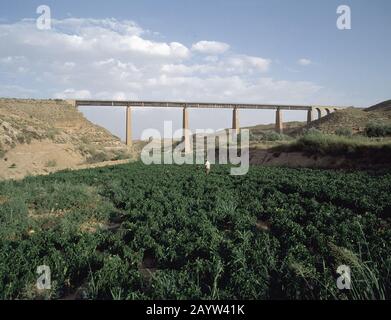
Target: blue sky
x=266 y=41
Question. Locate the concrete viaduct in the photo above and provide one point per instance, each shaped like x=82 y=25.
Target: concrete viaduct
x=186 y=105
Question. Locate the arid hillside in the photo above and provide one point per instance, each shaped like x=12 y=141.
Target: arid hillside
x=384 y=106
x=355 y=119
x=289 y=127
x=38 y=136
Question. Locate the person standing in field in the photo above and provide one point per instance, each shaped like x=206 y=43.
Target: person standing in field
x=207 y=166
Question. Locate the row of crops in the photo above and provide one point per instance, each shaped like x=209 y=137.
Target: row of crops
x=172 y=232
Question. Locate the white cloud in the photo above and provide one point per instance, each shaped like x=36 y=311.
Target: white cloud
x=230 y=89
x=304 y=62
x=124 y=27
x=147 y=47
x=211 y=59
x=86 y=38
x=210 y=47
x=71 y=93
x=232 y=65
x=11 y=59
x=16 y=91
x=243 y=62
x=111 y=59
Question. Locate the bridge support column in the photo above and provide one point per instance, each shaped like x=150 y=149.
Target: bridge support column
x=309 y=116
x=279 y=123
x=319 y=113
x=186 y=133
x=235 y=121
x=72 y=102
x=328 y=111
x=128 y=126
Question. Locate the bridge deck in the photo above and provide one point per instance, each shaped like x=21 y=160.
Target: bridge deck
x=163 y=104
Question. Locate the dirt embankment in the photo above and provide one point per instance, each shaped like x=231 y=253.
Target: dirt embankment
x=305 y=160
x=40 y=136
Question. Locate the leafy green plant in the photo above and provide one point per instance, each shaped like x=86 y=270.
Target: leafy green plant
x=169 y=232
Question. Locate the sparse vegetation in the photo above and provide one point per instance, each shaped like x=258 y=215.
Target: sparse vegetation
x=121 y=155
x=2 y=152
x=98 y=156
x=378 y=129
x=315 y=142
x=347 y=132
x=52 y=133
x=268 y=136
x=51 y=163
x=312 y=132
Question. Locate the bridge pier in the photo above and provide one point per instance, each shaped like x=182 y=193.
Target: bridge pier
x=128 y=126
x=279 y=123
x=72 y=102
x=309 y=116
x=186 y=133
x=328 y=111
x=235 y=120
x=319 y=113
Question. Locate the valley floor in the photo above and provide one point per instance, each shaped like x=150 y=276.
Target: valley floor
x=133 y=231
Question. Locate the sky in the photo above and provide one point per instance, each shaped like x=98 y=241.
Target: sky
x=251 y=51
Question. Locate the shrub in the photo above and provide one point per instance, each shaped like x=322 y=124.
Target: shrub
x=51 y=163
x=52 y=133
x=98 y=156
x=93 y=154
x=378 y=129
x=316 y=142
x=319 y=143
x=272 y=136
x=313 y=131
x=347 y=132
x=121 y=155
x=268 y=136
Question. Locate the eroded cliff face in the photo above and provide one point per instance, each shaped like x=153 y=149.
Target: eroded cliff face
x=37 y=136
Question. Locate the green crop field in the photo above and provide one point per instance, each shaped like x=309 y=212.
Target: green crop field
x=172 y=232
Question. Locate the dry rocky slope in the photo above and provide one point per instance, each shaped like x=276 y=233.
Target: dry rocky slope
x=289 y=127
x=38 y=136
x=354 y=119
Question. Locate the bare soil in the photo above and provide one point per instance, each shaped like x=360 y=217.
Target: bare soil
x=43 y=136
x=303 y=160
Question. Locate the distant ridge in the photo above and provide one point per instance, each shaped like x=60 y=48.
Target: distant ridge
x=382 y=106
x=355 y=119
